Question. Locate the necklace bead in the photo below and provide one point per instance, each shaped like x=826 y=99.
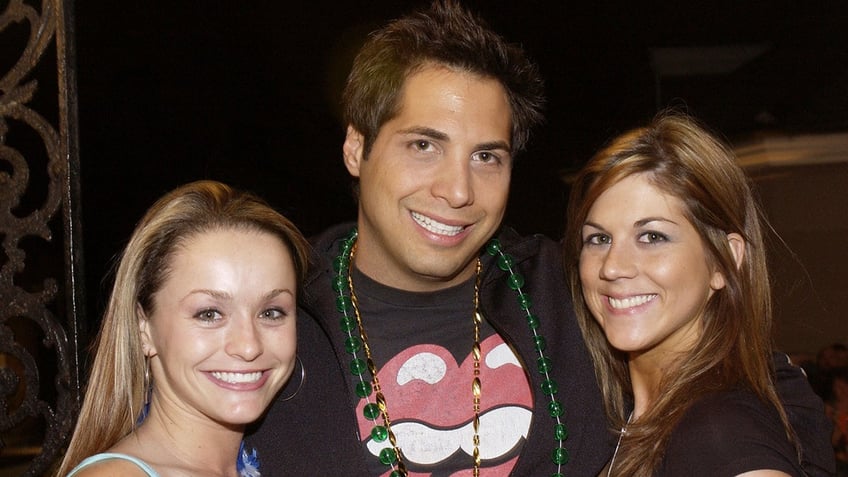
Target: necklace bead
x=356 y=344
x=548 y=386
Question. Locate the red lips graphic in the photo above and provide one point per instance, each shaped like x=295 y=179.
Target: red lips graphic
x=429 y=396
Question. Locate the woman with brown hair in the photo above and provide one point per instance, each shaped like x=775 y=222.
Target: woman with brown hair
x=665 y=253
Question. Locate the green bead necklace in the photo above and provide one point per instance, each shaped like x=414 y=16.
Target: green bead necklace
x=356 y=343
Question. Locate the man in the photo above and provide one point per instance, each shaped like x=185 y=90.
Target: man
x=428 y=349
x=437 y=107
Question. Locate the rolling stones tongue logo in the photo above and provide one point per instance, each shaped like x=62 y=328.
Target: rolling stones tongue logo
x=430 y=404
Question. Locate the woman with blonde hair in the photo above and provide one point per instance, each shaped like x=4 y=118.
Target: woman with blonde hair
x=197 y=339
x=665 y=252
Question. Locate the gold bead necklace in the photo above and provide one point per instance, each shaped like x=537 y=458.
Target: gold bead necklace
x=357 y=341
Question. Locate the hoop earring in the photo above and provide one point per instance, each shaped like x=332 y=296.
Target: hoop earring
x=147 y=390
x=302 y=379
x=146 y=380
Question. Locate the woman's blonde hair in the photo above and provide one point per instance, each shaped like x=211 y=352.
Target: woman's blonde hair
x=681 y=158
x=116 y=386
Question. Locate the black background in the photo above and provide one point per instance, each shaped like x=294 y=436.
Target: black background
x=247 y=93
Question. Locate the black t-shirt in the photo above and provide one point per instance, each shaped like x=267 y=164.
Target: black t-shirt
x=726 y=434
x=421 y=344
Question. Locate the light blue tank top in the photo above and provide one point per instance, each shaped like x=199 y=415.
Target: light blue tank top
x=113 y=455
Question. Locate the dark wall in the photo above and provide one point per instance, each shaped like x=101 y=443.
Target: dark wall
x=247 y=93
x=809 y=252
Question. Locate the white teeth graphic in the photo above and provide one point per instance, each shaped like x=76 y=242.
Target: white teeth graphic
x=630 y=301
x=237 y=378
x=436 y=227
x=426 y=445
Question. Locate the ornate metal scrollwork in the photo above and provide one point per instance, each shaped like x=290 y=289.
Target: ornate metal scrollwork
x=40 y=255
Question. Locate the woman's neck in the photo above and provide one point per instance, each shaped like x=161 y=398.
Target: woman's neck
x=647 y=371
x=178 y=444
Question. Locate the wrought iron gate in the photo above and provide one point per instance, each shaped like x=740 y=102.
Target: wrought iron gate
x=41 y=281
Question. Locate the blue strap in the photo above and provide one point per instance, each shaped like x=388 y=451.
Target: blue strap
x=114 y=455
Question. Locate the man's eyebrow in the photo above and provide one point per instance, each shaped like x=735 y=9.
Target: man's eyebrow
x=494 y=145
x=425 y=131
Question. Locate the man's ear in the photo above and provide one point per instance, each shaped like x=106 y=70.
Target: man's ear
x=144 y=330
x=353 y=150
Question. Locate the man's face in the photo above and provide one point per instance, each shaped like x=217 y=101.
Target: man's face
x=434 y=187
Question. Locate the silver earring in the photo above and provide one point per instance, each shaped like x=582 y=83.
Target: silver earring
x=145 y=406
x=302 y=379
x=147 y=387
